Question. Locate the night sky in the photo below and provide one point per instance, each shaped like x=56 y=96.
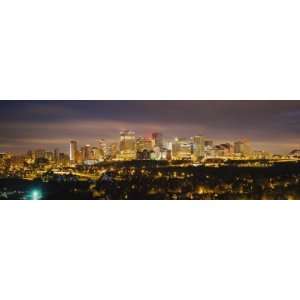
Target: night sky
x=269 y=125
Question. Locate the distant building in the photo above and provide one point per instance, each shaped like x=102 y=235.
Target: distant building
x=63 y=158
x=262 y=155
x=208 y=143
x=143 y=143
x=73 y=151
x=49 y=155
x=181 y=149
x=242 y=147
x=86 y=152
x=127 y=145
x=103 y=148
x=39 y=153
x=143 y=155
x=157 y=139
x=221 y=150
x=228 y=149
x=30 y=155
x=56 y=154
x=112 y=151
x=166 y=154
x=198 y=147
x=96 y=154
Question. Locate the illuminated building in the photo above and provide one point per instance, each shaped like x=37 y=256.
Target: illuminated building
x=143 y=155
x=208 y=143
x=143 y=143
x=242 y=148
x=222 y=150
x=63 y=158
x=198 y=147
x=157 y=138
x=39 y=153
x=56 y=154
x=168 y=154
x=181 y=149
x=30 y=155
x=49 y=155
x=103 y=148
x=227 y=149
x=112 y=151
x=127 y=145
x=73 y=151
x=262 y=155
x=87 y=152
x=96 y=154
x=17 y=161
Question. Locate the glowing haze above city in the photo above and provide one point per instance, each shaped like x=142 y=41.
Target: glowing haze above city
x=269 y=125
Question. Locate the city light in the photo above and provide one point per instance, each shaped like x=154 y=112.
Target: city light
x=155 y=167
x=36 y=195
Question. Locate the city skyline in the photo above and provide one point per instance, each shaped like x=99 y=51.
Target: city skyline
x=270 y=125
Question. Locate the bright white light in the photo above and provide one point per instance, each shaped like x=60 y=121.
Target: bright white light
x=36 y=195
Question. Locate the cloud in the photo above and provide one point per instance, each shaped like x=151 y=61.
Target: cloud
x=54 y=123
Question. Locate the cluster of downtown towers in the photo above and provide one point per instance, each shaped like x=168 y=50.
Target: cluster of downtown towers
x=131 y=147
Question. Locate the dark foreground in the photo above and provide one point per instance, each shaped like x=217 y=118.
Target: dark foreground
x=280 y=181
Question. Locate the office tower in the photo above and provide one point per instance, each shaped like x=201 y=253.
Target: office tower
x=56 y=154
x=208 y=143
x=97 y=154
x=86 y=152
x=103 y=148
x=242 y=148
x=49 y=155
x=157 y=138
x=63 y=158
x=228 y=149
x=73 y=151
x=39 y=153
x=198 y=146
x=168 y=154
x=112 y=151
x=181 y=149
x=143 y=143
x=222 y=150
x=127 y=145
x=30 y=154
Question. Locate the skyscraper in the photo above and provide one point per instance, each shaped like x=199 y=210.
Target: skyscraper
x=157 y=138
x=113 y=150
x=242 y=147
x=198 y=146
x=103 y=148
x=40 y=153
x=127 y=145
x=96 y=154
x=208 y=143
x=86 y=152
x=181 y=149
x=56 y=154
x=143 y=143
x=73 y=151
x=49 y=155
